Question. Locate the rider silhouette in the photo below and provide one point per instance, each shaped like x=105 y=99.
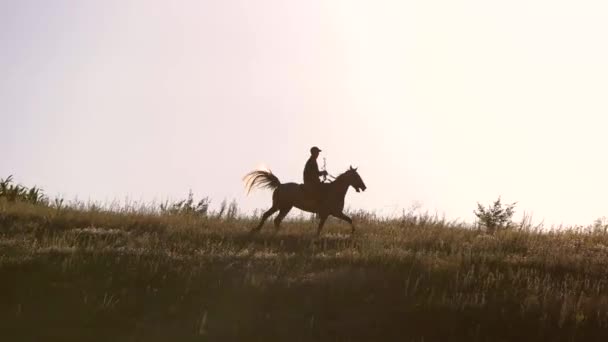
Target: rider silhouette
x=312 y=183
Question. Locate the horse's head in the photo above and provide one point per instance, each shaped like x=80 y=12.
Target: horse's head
x=355 y=180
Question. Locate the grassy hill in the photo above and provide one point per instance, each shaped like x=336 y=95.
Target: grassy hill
x=87 y=274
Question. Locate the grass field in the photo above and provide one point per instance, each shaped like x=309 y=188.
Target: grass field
x=87 y=274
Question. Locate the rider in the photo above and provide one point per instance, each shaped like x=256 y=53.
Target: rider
x=312 y=173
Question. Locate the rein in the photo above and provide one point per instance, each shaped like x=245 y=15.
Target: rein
x=333 y=178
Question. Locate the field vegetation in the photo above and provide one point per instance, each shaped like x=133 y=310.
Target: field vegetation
x=181 y=272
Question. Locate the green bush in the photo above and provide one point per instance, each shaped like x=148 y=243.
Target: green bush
x=495 y=216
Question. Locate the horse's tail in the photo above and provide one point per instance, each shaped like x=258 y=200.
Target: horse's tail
x=261 y=179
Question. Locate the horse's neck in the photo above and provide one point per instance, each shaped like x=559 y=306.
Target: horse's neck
x=341 y=185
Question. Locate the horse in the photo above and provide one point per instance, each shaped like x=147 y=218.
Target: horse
x=288 y=195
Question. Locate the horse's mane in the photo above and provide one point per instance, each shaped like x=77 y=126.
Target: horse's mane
x=342 y=174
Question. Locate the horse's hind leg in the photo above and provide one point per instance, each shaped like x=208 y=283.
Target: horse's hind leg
x=280 y=217
x=264 y=218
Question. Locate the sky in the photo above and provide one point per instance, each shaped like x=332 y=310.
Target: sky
x=441 y=104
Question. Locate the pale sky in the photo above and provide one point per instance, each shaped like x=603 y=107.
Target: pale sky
x=441 y=103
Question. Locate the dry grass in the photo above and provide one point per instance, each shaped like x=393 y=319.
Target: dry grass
x=131 y=274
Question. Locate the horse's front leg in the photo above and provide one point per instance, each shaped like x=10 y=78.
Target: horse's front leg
x=321 y=223
x=343 y=217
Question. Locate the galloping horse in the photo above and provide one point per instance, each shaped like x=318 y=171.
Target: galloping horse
x=289 y=195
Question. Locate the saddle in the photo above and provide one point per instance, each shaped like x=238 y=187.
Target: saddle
x=315 y=192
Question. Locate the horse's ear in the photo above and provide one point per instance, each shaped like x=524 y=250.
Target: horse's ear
x=356 y=168
x=351 y=167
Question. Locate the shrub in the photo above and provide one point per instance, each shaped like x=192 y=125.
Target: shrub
x=17 y=192
x=187 y=206
x=496 y=216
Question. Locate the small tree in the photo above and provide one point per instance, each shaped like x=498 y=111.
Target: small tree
x=600 y=225
x=222 y=210
x=495 y=216
x=233 y=210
